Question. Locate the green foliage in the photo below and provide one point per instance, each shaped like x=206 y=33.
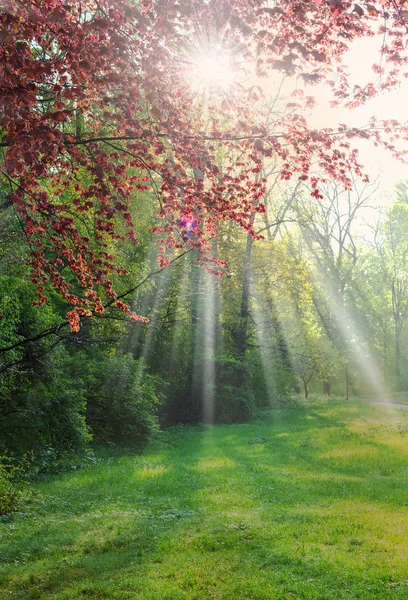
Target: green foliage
x=271 y=375
x=13 y=491
x=178 y=405
x=42 y=404
x=45 y=414
x=234 y=398
x=124 y=410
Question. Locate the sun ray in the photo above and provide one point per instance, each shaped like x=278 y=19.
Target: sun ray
x=179 y=327
x=212 y=66
x=357 y=344
x=205 y=347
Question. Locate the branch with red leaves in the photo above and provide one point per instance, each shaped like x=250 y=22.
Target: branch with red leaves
x=75 y=77
x=55 y=330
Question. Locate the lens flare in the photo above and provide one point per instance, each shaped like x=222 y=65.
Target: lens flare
x=212 y=70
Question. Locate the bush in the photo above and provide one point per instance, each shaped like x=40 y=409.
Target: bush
x=42 y=401
x=13 y=492
x=124 y=410
x=272 y=376
x=49 y=408
x=234 y=398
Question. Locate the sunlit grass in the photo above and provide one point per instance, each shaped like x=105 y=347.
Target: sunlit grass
x=307 y=503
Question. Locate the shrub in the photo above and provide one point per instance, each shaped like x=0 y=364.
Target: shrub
x=42 y=401
x=49 y=407
x=124 y=410
x=234 y=398
x=271 y=374
x=13 y=492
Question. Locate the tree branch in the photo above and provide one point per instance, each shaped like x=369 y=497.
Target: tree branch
x=54 y=330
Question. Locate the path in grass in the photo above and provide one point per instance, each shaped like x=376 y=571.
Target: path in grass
x=309 y=503
x=390 y=403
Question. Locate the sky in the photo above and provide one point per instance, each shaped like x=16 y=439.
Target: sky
x=378 y=163
x=391 y=105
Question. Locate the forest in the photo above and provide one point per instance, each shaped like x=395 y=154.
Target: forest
x=180 y=249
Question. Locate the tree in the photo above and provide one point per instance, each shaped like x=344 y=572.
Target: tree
x=392 y=247
x=329 y=231
x=97 y=107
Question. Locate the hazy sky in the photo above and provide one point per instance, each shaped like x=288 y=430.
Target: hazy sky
x=391 y=105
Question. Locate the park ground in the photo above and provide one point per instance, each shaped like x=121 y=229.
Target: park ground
x=308 y=502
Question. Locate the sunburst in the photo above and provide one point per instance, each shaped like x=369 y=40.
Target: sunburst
x=212 y=65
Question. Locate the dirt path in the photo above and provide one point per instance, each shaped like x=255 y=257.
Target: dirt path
x=389 y=403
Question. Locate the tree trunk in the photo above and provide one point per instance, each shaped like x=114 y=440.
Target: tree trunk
x=241 y=336
x=327 y=388
x=306 y=389
x=217 y=302
x=385 y=352
x=397 y=353
x=207 y=334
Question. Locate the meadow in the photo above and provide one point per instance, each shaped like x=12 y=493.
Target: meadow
x=308 y=502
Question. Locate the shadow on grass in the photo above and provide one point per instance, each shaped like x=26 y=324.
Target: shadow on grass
x=314 y=458
x=100 y=520
x=230 y=512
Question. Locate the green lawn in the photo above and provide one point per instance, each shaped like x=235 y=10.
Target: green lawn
x=309 y=503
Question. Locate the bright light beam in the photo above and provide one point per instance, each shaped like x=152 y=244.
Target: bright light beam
x=212 y=70
x=208 y=391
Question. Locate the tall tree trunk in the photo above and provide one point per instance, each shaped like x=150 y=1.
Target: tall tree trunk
x=397 y=352
x=306 y=389
x=217 y=301
x=385 y=352
x=196 y=282
x=242 y=331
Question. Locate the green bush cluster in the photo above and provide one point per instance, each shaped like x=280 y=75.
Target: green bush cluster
x=271 y=375
x=234 y=398
x=13 y=491
x=56 y=398
x=124 y=408
x=44 y=413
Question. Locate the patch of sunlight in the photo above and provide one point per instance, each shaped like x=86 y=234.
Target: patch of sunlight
x=284 y=434
x=252 y=449
x=249 y=514
x=216 y=463
x=290 y=471
x=154 y=460
x=94 y=541
x=396 y=443
x=347 y=453
x=121 y=514
x=379 y=527
x=147 y=471
x=386 y=519
x=329 y=477
x=227 y=500
x=382 y=427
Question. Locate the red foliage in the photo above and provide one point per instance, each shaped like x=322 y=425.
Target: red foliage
x=95 y=105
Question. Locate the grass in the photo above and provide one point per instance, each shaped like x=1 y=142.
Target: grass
x=309 y=503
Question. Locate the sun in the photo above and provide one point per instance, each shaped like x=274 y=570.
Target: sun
x=212 y=70
x=211 y=65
